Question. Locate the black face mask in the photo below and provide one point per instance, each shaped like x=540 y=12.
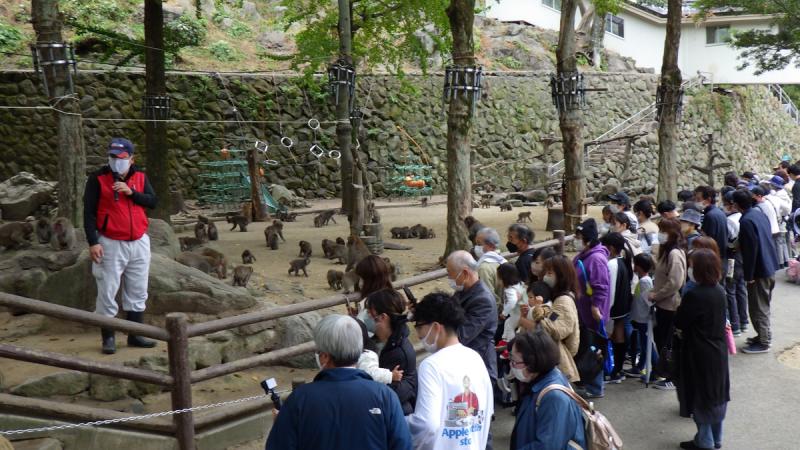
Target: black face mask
x=511 y=247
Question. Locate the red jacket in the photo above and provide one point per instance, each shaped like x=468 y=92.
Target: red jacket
x=116 y=215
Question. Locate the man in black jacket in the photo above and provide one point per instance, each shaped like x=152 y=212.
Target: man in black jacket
x=480 y=309
x=520 y=238
x=715 y=222
x=760 y=262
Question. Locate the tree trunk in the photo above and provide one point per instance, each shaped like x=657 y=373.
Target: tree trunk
x=155 y=133
x=71 y=154
x=343 y=127
x=570 y=121
x=260 y=212
x=598 y=33
x=461 y=14
x=668 y=125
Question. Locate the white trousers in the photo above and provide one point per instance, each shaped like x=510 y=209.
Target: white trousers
x=122 y=260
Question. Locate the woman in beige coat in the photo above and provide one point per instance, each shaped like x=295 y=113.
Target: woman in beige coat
x=559 y=318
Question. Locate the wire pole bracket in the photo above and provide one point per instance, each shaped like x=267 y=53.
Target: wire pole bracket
x=156 y=107
x=49 y=57
x=341 y=75
x=466 y=80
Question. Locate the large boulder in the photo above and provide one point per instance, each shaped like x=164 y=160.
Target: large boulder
x=299 y=329
x=59 y=383
x=162 y=239
x=22 y=194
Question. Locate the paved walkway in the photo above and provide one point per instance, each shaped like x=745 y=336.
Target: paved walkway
x=764 y=413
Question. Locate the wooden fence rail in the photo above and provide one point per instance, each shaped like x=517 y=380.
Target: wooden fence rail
x=177 y=334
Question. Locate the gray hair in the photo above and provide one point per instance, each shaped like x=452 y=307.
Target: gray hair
x=522 y=232
x=461 y=260
x=341 y=337
x=490 y=236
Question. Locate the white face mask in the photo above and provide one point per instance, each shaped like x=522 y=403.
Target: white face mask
x=119 y=166
x=549 y=280
x=691 y=275
x=454 y=284
x=478 y=249
x=430 y=348
x=662 y=238
x=579 y=245
x=519 y=374
x=316 y=358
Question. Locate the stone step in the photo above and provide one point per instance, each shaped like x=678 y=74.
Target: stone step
x=38 y=444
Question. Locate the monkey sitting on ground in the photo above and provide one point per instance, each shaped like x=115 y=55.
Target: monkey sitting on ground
x=393 y=269
x=202 y=263
x=287 y=216
x=218 y=260
x=213 y=234
x=297 y=265
x=247 y=211
x=248 y=257
x=350 y=282
x=340 y=253
x=486 y=202
x=328 y=248
x=305 y=249
x=200 y=232
x=426 y=233
x=401 y=232
x=524 y=217
x=238 y=221
x=44 y=230
x=271 y=235
x=63 y=237
x=473 y=226
x=189 y=243
x=506 y=206
x=335 y=279
x=241 y=275
x=15 y=235
x=424 y=202
x=340 y=241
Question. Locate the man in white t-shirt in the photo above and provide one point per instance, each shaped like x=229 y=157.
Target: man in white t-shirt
x=455 y=401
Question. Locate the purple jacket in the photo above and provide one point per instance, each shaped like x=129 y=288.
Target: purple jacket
x=595 y=261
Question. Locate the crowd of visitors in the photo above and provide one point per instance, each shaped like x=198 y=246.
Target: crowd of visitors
x=655 y=293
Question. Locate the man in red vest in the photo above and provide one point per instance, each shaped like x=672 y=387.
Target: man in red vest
x=116 y=225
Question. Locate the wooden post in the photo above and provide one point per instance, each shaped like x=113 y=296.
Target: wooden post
x=559 y=234
x=178 y=347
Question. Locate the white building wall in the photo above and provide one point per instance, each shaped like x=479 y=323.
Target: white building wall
x=644 y=42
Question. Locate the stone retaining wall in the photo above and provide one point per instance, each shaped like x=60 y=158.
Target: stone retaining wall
x=515 y=114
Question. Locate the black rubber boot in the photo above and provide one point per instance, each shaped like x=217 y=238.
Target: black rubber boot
x=109 y=343
x=138 y=341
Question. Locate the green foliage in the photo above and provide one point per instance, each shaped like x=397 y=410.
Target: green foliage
x=510 y=62
x=766 y=50
x=10 y=38
x=222 y=51
x=384 y=33
x=607 y=6
x=793 y=91
x=239 y=29
x=185 y=31
x=582 y=59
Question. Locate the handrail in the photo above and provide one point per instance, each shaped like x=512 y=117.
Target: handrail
x=84 y=365
x=625 y=125
x=81 y=316
x=786 y=101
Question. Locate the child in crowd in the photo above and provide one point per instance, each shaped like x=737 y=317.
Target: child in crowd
x=368 y=361
x=605 y=226
x=641 y=313
x=513 y=298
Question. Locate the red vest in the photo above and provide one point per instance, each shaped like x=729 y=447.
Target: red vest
x=120 y=219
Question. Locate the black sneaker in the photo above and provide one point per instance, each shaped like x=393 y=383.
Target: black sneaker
x=615 y=378
x=690 y=445
x=756 y=347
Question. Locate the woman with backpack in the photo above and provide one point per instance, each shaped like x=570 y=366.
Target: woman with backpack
x=701 y=354
x=555 y=419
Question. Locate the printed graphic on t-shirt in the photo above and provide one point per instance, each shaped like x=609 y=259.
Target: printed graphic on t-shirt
x=464 y=416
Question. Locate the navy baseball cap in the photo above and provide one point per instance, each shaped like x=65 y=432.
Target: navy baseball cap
x=620 y=198
x=121 y=148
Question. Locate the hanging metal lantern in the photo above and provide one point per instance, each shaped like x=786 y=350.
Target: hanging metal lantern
x=156 y=107
x=341 y=75
x=49 y=57
x=463 y=80
x=661 y=95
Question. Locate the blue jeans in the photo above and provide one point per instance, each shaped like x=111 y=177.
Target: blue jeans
x=708 y=436
x=641 y=330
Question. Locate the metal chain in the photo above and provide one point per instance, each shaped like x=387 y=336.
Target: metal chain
x=134 y=418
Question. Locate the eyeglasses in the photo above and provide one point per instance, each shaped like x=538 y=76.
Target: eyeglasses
x=517 y=364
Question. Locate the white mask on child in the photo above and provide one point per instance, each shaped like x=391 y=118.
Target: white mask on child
x=662 y=238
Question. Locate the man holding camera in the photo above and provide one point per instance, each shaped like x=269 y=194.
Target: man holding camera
x=115 y=223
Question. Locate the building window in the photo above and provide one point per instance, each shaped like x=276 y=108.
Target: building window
x=615 y=25
x=718 y=35
x=555 y=4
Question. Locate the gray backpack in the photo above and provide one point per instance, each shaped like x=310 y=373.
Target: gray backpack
x=600 y=435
